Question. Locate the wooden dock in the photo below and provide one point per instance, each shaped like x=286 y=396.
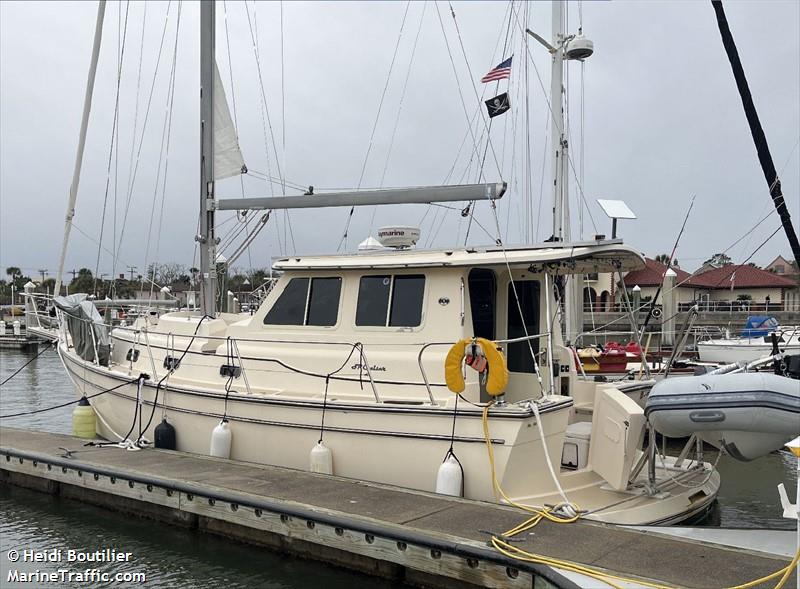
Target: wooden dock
x=420 y=538
x=24 y=342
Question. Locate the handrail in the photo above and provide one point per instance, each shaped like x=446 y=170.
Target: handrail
x=150 y=353
x=235 y=346
x=365 y=364
x=428 y=345
x=422 y=368
x=423 y=346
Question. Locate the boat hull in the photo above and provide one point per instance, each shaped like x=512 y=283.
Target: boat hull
x=386 y=443
x=731 y=351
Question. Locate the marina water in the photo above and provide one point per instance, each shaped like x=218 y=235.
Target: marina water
x=173 y=557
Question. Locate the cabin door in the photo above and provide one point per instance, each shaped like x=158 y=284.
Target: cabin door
x=483 y=307
x=524 y=295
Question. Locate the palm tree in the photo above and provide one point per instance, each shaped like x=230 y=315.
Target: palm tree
x=13 y=272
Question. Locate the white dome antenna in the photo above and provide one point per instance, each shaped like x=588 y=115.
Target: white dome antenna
x=398 y=237
x=579 y=48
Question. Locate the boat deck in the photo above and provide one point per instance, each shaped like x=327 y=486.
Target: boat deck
x=421 y=538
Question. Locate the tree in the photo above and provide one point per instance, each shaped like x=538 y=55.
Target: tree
x=83 y=282
x=718 y=261
x=15 y=274
x=664 y=258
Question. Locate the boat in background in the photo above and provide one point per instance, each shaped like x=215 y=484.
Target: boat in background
x=755 y=342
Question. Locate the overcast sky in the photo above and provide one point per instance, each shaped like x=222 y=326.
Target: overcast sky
x=662 y=121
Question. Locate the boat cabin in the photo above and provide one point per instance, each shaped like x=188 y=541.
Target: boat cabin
x=391 y=316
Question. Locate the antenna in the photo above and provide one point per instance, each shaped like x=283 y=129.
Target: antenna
x=615 y=209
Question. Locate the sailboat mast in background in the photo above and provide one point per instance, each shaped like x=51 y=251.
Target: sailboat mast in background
x=76 y=173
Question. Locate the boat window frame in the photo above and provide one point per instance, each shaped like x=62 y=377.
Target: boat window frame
x=392 y=275
x=307 y=306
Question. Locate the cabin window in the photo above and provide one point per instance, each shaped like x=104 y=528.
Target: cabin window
x=307 y=301
x=323 y=301
x=519 y=354
x=394 y=301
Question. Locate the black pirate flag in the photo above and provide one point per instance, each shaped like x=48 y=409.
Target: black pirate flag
x=498 y=105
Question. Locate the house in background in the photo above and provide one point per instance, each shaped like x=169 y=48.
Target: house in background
x=650 y=278
x=783 y=267
x=730 y=287
x=598 y=292
x=746 y=283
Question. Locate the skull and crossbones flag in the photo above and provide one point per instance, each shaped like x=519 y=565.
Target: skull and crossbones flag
x=498 y=105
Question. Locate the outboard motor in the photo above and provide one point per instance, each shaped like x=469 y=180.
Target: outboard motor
x=792 y=366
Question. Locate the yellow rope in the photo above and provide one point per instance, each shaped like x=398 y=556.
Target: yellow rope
x=554 y=516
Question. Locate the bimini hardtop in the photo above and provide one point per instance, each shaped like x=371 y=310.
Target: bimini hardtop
x=556 y=257
x=746 y=414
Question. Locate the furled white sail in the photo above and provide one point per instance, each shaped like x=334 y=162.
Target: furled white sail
x=228 y=159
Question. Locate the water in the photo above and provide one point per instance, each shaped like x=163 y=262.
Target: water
x=168 y=556
x=171 y=557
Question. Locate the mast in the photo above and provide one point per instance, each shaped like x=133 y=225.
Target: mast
x=764 y=156
x=573 y=288
x=558 y=140
x=563 y=47
x=76 y=173
x=207 y=237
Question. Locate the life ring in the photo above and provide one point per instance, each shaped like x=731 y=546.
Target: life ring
x=497 y=379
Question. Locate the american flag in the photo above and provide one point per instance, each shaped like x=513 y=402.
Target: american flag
x=500 y=72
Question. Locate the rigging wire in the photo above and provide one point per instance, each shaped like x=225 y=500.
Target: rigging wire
x=141 y=137
x=527 y=157
x=116 y=177
x=458 y=82
x=163 y=155
x=105 y=249
x=235 y=113
x=274 y=180
x=343 y=240
x=169 y=134
x=474 y=88
x=472 y=205
x=121 y=36
x=399 y=110
x=138 y=95
x=266 y=120
x=286 y=215
x=552 y=115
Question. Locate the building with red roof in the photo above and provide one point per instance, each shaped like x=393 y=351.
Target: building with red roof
x=734 y=282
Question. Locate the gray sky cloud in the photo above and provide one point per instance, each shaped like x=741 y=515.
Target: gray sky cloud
x=663 y=121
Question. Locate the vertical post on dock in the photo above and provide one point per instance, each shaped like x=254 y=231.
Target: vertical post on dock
x=669 y=308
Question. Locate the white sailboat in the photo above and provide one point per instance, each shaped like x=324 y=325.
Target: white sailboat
x=343 y=368
x=746 y=348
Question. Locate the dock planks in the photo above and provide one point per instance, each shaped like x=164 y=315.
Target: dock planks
x=418 y=537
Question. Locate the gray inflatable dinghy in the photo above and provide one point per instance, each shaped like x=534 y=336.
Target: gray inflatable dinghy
x=746 y=414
